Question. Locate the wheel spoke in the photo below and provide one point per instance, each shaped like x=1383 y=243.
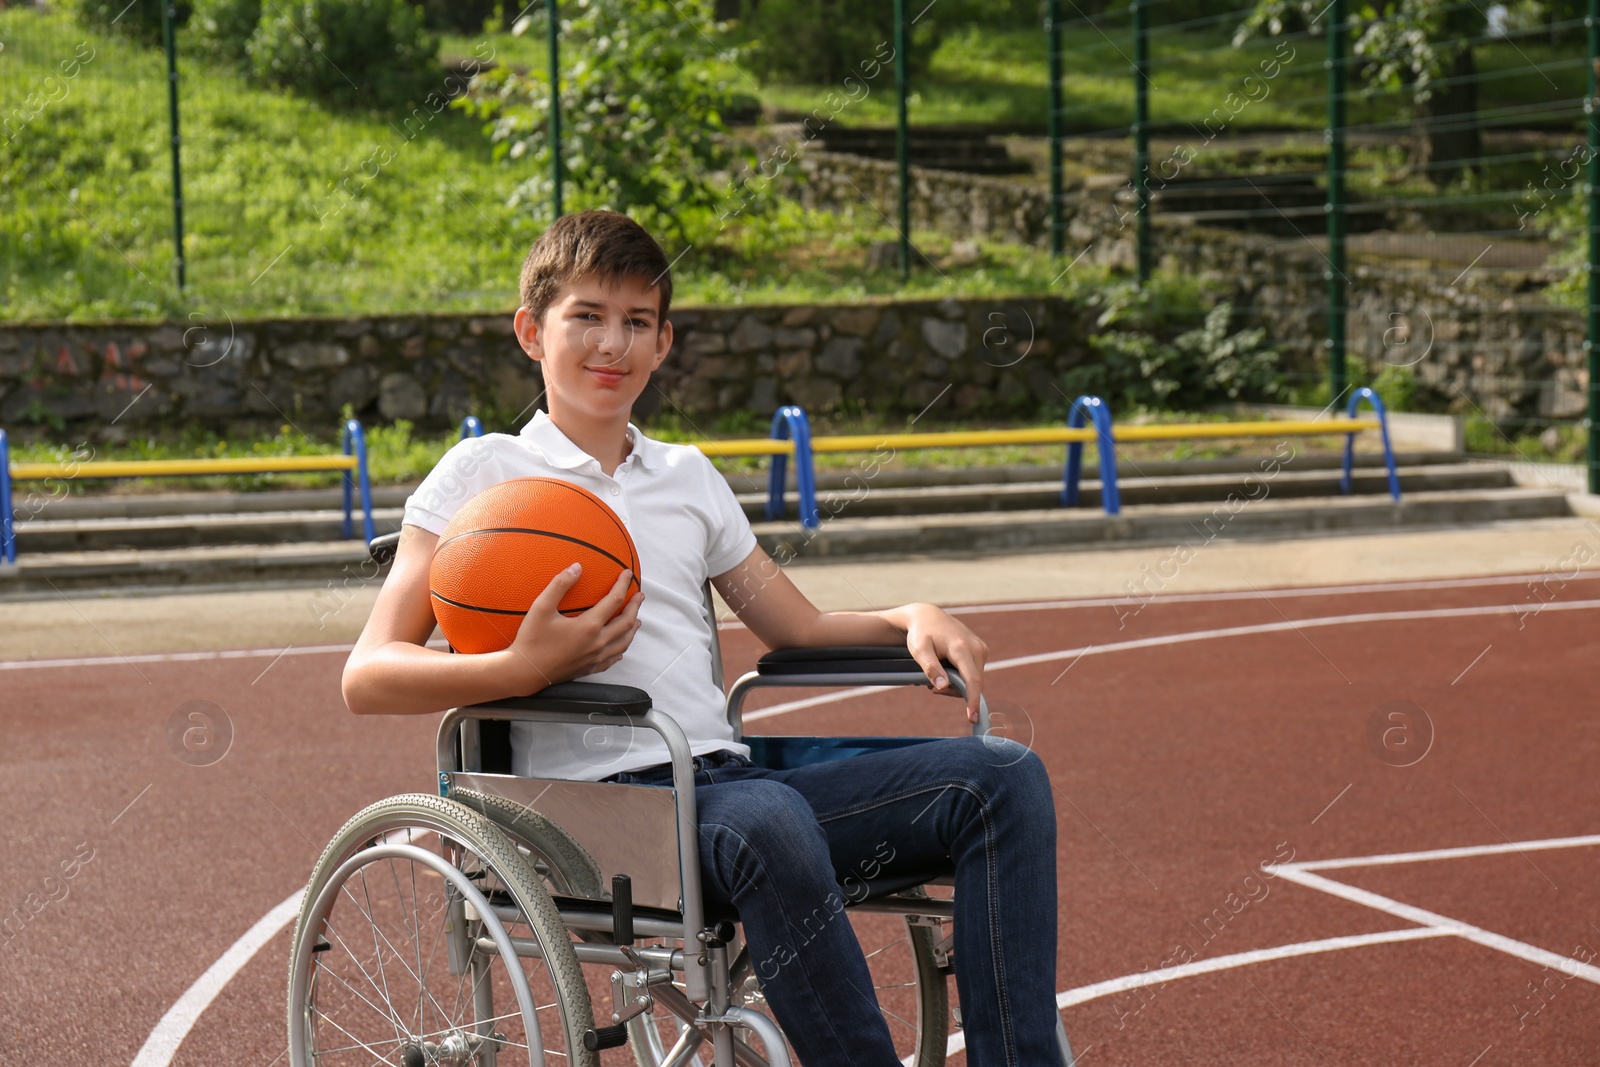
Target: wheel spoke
x=387 y=999
x=387 y=1017
x=328 y=926
x=369 y=1049
x=399 y=957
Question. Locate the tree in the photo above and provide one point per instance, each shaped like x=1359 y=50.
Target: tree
x=643 y=89
x=1423 y=47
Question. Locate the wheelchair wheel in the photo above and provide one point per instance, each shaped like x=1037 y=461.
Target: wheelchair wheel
x=426 y=937
x=566 y=866
x=912 y=991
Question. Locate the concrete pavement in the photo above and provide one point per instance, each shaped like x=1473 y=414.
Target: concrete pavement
x=76 y=624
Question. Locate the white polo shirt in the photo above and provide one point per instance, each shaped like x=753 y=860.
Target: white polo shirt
x=687 y=525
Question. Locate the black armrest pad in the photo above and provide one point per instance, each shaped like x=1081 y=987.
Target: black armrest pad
x=838 y=659
x=382 y=549
x=582 y=697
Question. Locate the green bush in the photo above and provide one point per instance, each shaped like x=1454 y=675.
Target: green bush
x=140 y=19
x=368 y=52
x=1143 y=358
x=641 y=120
x=224 y=27
x=466 y=16
x=1238 y=366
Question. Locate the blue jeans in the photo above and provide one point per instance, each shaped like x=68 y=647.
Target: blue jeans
x=779 y=845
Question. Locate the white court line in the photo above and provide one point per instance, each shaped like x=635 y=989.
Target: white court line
x=1197 y=635
x=1431 y=925
x=163 y=1042
x=1445 y=853
x=181 y=657
x=1568 y=966
x=1252 y=594
x=1083 y=994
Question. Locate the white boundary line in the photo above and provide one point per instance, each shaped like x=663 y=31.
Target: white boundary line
x=163 y=1042
x=1250 y=594
x=1198 y=635
x=1466 y=852
x=1083 y=994
x=1444 y=924
x=1430 y=925
x=181 y=657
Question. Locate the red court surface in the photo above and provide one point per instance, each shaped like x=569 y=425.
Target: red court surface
x=1190 y=744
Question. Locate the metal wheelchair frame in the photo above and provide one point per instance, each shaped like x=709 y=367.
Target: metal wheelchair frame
x=710 y=978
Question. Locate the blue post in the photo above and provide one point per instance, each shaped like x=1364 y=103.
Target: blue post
x=471 y=427
x=1350 y=441
x=354 y=439
x=1098 y=410
x=8 y=543
x=790 y=422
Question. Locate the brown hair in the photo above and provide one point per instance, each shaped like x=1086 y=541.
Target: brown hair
x=593 y=242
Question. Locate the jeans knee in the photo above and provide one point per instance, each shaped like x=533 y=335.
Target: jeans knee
x=1008 y=771
x=763 y=826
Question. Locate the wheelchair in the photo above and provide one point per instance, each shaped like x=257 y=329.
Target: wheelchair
x=511 y=920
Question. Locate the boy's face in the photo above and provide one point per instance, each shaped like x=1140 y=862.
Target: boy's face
x=598 y=344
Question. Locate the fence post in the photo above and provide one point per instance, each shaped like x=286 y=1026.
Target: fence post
x=1338 y=50
x=1592 y=195
x=902 y=147
x=168 y=14
x=1052 y=25
x=553 y=32
x=1141 y=140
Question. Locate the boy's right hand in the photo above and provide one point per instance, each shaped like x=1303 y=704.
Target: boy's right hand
x=550 y=647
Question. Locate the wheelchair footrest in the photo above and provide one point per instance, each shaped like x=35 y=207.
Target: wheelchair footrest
x=604 y=1037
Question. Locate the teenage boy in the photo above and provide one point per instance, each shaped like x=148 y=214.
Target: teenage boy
x=595 y=291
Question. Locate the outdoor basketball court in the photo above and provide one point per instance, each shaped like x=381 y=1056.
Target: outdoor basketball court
x=1333 y=825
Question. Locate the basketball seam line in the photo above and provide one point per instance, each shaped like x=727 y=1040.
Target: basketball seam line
x=499 y=611
x=544 y=533
x=606 y=510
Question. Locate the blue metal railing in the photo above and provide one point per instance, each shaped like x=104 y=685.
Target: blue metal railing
x=354 y=442
x=8 y=543
x=790 y=423
x=1094 y=408
x=1376 y=402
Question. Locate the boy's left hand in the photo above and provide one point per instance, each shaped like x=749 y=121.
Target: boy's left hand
x=932 y=635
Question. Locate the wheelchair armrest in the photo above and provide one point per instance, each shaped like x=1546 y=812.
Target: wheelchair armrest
x=841 y=665
x=839 y=659
x=383 y=549
x=579 y=697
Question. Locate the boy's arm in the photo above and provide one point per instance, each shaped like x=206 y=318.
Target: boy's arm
x=766 y=601
x=392 y=672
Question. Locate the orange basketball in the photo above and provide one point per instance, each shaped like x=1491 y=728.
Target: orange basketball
x=505 y=545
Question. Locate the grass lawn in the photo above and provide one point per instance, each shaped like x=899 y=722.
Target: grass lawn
x=85 y=181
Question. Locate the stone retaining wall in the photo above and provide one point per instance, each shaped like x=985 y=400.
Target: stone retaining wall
x=1489 y=337
x=990 y=356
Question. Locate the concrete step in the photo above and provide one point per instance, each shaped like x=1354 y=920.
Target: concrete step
x=1169 y=524
x=344 y=565
x=865 y=498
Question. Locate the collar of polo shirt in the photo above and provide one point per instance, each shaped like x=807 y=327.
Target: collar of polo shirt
x=560 y=451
